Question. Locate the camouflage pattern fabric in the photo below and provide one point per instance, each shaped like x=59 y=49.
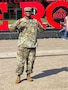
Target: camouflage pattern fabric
x=25 y=55
x=27 y=42
x=28 y=31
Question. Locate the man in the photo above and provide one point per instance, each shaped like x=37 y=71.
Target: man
x=27 y=43
x=64 y=30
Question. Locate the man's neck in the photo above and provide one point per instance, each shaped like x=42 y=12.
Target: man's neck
x=28 y=17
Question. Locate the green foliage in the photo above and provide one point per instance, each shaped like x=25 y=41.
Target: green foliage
x=9 y=21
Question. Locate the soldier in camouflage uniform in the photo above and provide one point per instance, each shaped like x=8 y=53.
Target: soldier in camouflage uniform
x=27 y=42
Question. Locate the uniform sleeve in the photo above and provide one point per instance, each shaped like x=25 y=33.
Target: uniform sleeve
x=14 y=25
x=40 y=28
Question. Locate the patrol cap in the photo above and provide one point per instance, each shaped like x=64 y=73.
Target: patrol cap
x=27 y=9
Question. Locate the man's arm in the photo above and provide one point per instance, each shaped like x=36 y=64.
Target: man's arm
x=63 y=24
x=40 y=28
x=14 y=26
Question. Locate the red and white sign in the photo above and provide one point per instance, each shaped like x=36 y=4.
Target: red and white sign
x=40 y=12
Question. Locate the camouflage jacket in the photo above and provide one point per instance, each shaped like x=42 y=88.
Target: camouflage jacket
x=28 y=29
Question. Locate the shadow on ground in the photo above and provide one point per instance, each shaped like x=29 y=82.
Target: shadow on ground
x=50 y=72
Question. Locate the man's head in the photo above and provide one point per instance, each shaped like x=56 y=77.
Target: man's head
x=28 y=11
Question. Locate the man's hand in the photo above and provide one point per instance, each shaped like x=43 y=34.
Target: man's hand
x=18 y=22
x=9 y=26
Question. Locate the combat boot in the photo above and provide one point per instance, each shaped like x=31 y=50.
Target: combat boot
x=29 y=78
x=18 y=79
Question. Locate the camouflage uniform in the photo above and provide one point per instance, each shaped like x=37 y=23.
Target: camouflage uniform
x=27 y=43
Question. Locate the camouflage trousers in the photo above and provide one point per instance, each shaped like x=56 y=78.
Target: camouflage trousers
x=25 y=55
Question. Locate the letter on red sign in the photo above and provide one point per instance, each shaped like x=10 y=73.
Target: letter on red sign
x=3 y=8
x=38 y=6
x=50 y=9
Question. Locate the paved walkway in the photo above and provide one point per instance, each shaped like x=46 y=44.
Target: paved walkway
x=8 y=48
x=50 y=69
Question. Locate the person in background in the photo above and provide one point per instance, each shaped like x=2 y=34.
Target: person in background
x=64 y=30
x=27 y=43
